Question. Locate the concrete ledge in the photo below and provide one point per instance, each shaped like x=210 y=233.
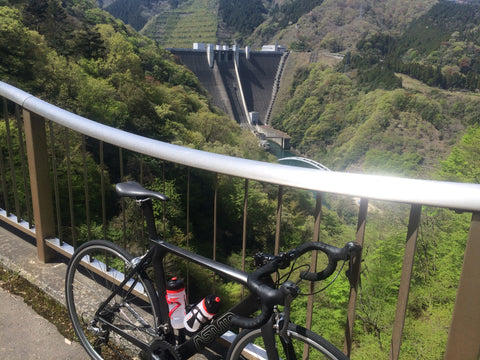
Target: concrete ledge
x=17 y=253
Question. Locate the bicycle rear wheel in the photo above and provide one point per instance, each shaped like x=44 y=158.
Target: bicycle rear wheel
x=303 y=344
x=94 y=271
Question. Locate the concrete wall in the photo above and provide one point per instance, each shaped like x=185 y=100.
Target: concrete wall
x=257 y=76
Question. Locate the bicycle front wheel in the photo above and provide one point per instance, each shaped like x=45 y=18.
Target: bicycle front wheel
x=301 y=344
x=93 y=273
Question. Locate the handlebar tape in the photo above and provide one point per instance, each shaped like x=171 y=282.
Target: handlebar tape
x=325 y=273
x=253 y=323
x=268 y=297
x=333 y=253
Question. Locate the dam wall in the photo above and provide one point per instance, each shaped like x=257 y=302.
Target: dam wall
x=256 y=77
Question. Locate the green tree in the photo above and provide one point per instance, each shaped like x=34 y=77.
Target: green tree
x=16 y=46
x=463 y=164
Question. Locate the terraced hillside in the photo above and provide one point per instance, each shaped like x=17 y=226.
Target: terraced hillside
x=192 y=21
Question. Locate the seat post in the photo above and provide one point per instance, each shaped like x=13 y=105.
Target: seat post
x=147 y=208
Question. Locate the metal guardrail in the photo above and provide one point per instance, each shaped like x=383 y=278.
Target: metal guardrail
x=465 y=329
x=451 y=195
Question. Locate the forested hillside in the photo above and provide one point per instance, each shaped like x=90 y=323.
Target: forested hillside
x=365 y=114
x=187 y=22
x=84 y=60
x=334 y=25
x=301 y=25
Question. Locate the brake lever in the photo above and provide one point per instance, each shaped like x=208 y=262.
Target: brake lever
x=292 y=292
x=354 y=256
x=286 y=318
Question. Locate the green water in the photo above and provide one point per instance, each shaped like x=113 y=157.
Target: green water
x=278 y=152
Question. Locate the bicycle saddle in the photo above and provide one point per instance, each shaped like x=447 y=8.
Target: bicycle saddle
x=134 y=190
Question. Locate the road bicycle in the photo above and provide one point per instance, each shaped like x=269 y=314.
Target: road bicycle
x=117 y=312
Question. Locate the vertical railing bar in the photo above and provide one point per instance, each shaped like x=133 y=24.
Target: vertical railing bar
x=244 y=229
x=279 y=220
x=85 y=188
x=11 y=162
x=4 y=183
x=102 y=191
x=164 y=205
x=2 y=170
x=464 y=333
x=21 y=145
x=313 y=261
x=355 y=277
x=70 y=188
x=141 y=169
x=55 y=184
x=142 y=228
x=102 y=185
x=188 y=228
x=407 y=269
x=122 y=201
x=215 y=198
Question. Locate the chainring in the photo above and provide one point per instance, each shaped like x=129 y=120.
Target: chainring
x=162 y=350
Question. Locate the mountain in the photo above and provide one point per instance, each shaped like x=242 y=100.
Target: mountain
x=185 y=23
x=82 y=59
x=133 y=12
x=298 y=24
x=337 y=25
x=396 y=103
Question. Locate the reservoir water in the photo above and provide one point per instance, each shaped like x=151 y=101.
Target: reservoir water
x=278 y=152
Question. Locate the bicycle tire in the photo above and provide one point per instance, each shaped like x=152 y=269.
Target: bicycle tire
x=249 y=345
x=134 y=309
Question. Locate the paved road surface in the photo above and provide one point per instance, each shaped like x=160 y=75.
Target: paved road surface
x=26 y=335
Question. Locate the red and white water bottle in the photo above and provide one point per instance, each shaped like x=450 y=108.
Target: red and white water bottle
x=202 y=313
x=176 y=302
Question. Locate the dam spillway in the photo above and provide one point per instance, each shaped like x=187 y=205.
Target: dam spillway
x=239 y=81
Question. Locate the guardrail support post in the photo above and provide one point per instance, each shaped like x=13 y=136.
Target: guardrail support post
x=464 y=335
x=407 y=269
x=313 y=261
x=40 y=184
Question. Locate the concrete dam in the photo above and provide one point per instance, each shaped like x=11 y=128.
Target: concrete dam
x=241 y=82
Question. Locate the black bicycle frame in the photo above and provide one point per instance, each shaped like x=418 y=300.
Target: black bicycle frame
x=155 y=255
x=220 y=324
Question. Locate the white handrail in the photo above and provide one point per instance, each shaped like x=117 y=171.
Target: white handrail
x=412 y=191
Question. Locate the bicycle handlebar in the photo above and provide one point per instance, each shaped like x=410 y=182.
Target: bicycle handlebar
x=270 y=297
x=334 y=254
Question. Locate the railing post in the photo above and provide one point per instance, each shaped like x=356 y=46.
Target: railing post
x=407 y=269
x=215 y=207
x=313 y=260
x=313 y=268
x=464 y=335
x=279 y=220
x=244 y=231
x=355 y=277
x=40 y=184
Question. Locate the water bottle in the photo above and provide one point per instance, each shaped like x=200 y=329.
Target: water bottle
x=176 y=302
x=202 y=313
